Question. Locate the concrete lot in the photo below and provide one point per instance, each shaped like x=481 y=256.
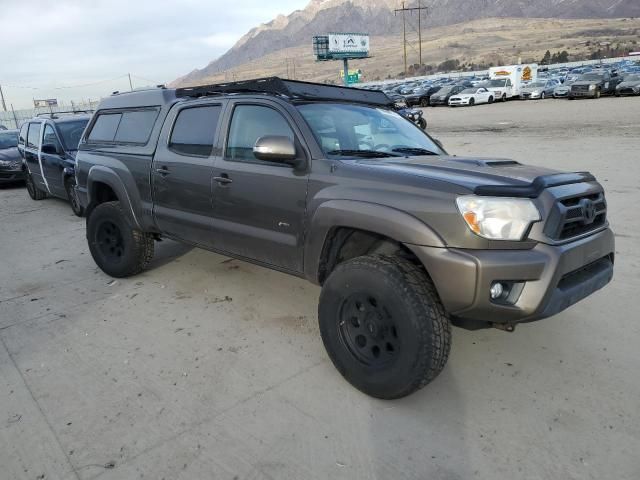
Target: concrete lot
x=204 y=367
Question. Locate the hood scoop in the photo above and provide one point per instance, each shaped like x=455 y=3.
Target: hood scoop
x=478 y=162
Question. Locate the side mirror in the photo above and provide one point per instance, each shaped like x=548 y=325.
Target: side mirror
x=50 y=148
x=277 y=149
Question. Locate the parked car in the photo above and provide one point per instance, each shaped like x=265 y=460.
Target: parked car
x=49 y=143
x=630 y=85
x=594 y=84
x=442 y=96
x=539 y=89
x=471 y=97
x=332 y=185
x=421 y=96
x=562 y=91
x=11 y=170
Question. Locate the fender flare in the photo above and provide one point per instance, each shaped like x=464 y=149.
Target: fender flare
x=383 y=220
x=101 y=174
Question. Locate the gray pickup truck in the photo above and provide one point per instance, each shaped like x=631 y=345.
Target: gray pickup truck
x=332 y=185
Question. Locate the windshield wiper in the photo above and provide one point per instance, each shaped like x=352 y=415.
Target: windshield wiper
x=414 y=151
x=362 y=153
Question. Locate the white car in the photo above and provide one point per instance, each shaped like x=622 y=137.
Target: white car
x=472 y=96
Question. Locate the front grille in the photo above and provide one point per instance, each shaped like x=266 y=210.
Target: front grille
x=575 y=216
x=580 y=88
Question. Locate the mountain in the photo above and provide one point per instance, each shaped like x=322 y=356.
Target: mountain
x=377 y=17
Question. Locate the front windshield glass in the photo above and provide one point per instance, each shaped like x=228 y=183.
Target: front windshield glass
x=71 y=132
x=8 y=140
x=497 y=83
x=538 y=84
x=469 y=90
x=344 y=130
x=591 y=76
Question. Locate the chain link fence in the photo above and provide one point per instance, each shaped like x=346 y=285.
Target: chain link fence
x=15 y=118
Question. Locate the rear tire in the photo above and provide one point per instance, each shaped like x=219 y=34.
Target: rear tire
x=34 y=192
x=117 y=248
x=383 y=325
x=424 y=102
x=69 y=186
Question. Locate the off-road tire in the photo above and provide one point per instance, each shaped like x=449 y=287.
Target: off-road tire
x=34 y=192
x=117 y=248
x=422 y=123
x=69 y=184
x=401 y=301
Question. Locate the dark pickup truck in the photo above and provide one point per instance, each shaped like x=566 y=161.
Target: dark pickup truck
x=594 y=84
x=332 y=185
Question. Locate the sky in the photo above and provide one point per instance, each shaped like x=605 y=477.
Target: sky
x=46 y=46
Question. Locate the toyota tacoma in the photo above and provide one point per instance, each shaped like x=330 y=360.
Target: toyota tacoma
x=332 y=185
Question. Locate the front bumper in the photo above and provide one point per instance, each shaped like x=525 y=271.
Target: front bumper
x=583 y=94
x=11 y=175
x=456 y=102
x=552 y=278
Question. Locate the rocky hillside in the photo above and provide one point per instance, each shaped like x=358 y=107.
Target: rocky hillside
x=377 y=18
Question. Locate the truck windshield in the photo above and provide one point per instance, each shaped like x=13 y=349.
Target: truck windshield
x=71 y=132
x=359 y=131
x=498 y=82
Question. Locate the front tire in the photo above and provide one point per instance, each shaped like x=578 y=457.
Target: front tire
x=116 y=247
x=34 y=192
x=490 y=100
x=424 y=102
x=69 y=186
x=542 y=96
x=472 y=102
x=383 y=325
x=422 y=123
x=504 y=97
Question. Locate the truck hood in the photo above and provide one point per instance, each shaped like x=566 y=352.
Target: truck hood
x=9 y=154
x=587 y=82
x=466 y=172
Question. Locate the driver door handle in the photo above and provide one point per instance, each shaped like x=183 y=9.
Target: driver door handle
x=163 y=171
x=223 y=179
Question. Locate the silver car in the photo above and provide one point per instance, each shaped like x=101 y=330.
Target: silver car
x=539 y=89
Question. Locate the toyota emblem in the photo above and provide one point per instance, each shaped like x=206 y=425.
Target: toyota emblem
x=588 y=211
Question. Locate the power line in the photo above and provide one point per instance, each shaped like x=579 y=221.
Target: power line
x=404 y=10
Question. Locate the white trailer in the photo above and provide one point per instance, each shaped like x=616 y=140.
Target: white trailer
x=505 y=82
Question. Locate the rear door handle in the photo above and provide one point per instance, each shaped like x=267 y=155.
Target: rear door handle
x=223 y=179
x=163 y=171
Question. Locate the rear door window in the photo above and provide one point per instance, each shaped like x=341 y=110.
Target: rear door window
x=33 y=137
x=194 y=130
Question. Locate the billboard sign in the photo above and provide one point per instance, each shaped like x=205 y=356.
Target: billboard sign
x=348 y=43
x=47 y=102
x=338 y=46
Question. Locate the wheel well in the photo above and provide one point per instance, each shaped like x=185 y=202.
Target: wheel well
x=101 y=193
x=344 y=243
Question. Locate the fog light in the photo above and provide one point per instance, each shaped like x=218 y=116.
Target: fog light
x=496 y=290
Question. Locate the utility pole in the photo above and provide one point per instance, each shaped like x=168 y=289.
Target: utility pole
x=405 y=9
x=4 y=105
x=15 y=119
x=130 y=84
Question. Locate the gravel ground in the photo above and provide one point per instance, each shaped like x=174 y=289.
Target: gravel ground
x=205 y=367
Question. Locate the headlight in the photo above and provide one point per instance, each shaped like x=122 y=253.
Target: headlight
x=498 y=218
x=592 y=87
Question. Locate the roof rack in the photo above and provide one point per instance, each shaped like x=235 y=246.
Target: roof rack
x=291 y=89
x=69 y=112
